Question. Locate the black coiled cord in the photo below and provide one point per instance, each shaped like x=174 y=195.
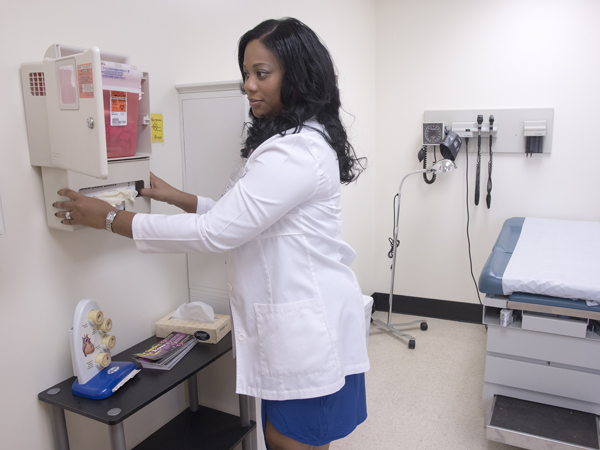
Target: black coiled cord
x=433 y=176
x=391 y=252
x=391 y=240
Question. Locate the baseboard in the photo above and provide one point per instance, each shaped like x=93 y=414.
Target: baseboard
x=429 y=307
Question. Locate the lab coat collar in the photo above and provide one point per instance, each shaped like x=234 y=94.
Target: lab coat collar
x=310 y=124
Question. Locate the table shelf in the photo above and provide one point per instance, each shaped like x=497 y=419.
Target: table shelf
x=206 y=428
x=214 y=429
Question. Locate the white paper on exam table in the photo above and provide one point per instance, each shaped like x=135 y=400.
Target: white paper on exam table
x=557 y=258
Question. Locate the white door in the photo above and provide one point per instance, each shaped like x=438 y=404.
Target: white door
x=212 y=118
x=212 y=122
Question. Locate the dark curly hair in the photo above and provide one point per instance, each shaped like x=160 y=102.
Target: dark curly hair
x=308 y=90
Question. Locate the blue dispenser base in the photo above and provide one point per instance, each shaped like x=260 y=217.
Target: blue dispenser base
x=102 y=385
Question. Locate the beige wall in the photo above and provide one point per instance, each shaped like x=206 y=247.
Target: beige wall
x=43 y=272
x=466 y=54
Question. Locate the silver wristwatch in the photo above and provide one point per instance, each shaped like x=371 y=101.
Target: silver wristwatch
x=110 y=217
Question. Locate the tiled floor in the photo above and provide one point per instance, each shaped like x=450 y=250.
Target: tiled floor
x=426 y=398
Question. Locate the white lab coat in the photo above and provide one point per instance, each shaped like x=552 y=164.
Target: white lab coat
x=297 y=308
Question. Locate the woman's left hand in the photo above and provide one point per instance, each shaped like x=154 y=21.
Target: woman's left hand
x=82 y=210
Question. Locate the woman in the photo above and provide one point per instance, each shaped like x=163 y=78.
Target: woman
x=296 y=306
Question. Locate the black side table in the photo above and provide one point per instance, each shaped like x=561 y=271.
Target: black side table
x=198 y=425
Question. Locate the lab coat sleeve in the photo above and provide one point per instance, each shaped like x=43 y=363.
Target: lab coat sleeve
x=281 y=175
x=204 y=205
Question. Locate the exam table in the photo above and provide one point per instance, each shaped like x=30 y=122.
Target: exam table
x=542 y=311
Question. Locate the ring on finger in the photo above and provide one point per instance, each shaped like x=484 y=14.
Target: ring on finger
x=68 y=215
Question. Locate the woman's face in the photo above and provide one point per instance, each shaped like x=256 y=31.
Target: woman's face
x=262 y=80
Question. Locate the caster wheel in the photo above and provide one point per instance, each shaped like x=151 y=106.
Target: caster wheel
x=424 y=326
x=411 y=344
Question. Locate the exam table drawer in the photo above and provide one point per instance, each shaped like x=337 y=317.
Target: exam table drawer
x=544 y=346
x=557 y=381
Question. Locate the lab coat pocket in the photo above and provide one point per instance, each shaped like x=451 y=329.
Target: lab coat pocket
x=294 y=338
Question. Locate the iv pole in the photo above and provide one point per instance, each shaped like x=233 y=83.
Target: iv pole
x=445 y=165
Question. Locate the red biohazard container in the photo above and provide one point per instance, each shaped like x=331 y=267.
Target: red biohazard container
x=121 y=93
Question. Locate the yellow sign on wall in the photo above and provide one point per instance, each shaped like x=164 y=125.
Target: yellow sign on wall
x=157 y=127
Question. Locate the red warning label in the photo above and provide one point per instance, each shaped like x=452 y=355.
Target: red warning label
x=118 y=101
x=85 y=80
x=118 y=108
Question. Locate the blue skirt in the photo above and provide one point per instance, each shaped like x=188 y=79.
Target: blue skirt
x=318 y=421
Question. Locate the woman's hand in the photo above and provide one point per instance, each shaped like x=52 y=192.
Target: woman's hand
x=164 y=192
x=82 y=210
x=160 y=190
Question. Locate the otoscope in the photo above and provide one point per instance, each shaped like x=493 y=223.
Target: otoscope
x=478 y=166
x=488 y=198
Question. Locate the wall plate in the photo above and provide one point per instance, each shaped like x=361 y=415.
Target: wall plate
x=509 y=126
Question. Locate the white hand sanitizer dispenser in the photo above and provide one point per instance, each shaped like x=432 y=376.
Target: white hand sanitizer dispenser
x=88 y=124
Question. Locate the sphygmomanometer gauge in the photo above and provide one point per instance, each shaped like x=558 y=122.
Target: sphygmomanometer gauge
x=433 y=133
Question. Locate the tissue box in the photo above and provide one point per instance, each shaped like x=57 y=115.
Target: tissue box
x=216 y=330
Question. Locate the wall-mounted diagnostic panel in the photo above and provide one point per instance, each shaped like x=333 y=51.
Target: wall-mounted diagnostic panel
x=88 y=125
x=519 y=130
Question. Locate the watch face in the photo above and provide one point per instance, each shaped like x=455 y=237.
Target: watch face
x=432 y=133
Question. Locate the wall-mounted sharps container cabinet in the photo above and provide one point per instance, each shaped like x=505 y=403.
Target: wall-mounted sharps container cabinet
x=88 y=125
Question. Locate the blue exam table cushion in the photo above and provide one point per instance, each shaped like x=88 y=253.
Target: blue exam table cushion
x=490 y=280
x=551 y=258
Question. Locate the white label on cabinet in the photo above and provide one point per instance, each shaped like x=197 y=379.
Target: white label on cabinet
x=118 y=108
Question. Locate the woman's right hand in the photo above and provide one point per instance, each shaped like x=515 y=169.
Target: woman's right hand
x=162 y=191
x=159 y=190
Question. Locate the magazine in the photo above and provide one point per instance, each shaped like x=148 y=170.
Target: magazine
x=167 y=352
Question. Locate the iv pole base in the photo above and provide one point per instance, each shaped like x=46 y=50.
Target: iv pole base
x=390 y=328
